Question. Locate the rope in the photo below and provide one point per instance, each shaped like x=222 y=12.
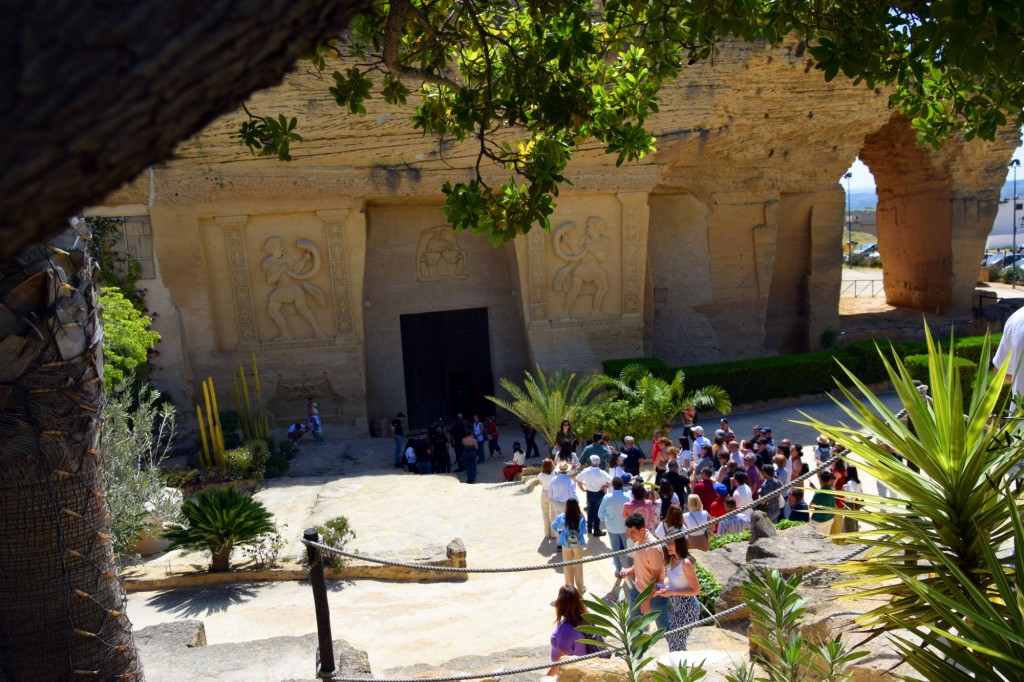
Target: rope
x=574 y=659
x=559 y=564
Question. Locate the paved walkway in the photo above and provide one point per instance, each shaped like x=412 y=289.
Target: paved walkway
x=401 y=624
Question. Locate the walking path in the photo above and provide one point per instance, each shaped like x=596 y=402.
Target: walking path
x=402 y=624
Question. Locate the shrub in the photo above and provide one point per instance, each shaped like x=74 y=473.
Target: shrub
x=709 y=587
x=786 y=524
x=248 y=461
x=286 y=448
x=917 y=365
x=228 y=421
x=727 y=539
x=135 y=436
x=179 y=478
x=220 y=520
x=277 y=466
x=335 y=533
x=127 y=340
x=266 y=549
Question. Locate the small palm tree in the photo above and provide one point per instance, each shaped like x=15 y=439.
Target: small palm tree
x=946 y=519
x=545 y=401
x=220 y=520
x=654 y=402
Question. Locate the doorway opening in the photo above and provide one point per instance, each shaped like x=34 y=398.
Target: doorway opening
x=446 y=357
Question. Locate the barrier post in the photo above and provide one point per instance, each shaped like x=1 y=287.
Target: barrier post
x=326 y=663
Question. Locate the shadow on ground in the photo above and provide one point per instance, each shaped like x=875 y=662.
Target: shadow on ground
x=202 y=601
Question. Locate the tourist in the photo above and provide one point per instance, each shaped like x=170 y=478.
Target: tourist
x=458 y=431
x=717 y=508
x=648 y=568
x=562 y=488
x=439 y=449
x=781 y=470
x=823 y=500
x=666 y=454
x=681 y=589
x=699 y=441
x=680 y=482
x=530 y=435
x=685 y=457
x=656 y=446
x=742 y=492
x=492 y=432
x=797 y=468
x=753 y=471
x=513 y=467
x=316 y=427
x=704 y=457
x=798 y=509
x=295 y=433
x=479 y=435
x=733 y=524
x=735 y=454
x=618 y=469
x=564 y=453
x=695 y=517
x=594 y=481
x=705 y=489
x=671 y=523
x=548 y=510
x=397 y=434
x=769 y=442
x=597 y=447
x=823 y=450
x=723 y=425
x=769 y=484
x=666 y=498
x=852 y=485
x=610 y=512
x=571 y=527
x=424 y=458
x=640 y=505
x=634 y=456
x=565 y=433
x=565 y=640
x=410 y=458
x=470 y=449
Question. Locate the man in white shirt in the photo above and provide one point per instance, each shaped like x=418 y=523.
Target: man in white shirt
x=594 y=481
x=699 y=441
x=743 y=493
x=562 y=488
x=1012 y=346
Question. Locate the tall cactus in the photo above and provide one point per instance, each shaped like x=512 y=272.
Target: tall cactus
x=210 y=430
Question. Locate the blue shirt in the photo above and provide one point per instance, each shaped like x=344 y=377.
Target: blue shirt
x=562 y=489
x=611 y=511
x=560 y=527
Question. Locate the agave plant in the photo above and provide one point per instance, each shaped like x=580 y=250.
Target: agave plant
x=220 y=520
x=545 y=401
x=937 y=532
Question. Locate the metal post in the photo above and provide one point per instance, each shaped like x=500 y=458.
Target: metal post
x=849 y=222
x=323 y=612
x=1013 y=266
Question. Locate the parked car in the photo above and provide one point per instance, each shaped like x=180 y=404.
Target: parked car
x=1000 y=260
x=866 y=248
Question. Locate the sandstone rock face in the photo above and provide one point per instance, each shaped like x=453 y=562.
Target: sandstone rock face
x=761 y=527
x=725 y=244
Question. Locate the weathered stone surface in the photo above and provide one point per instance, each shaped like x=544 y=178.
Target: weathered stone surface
x=501 y=660
x=173 y=635
x=167 y=659
x=761 y=527
x=797 y=550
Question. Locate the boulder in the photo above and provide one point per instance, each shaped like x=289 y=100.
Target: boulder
x=761 y=527
x=172 y=636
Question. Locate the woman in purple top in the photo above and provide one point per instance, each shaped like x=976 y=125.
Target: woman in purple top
x=565 y=640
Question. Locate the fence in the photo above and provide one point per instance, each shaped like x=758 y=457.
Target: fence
x=862 y=288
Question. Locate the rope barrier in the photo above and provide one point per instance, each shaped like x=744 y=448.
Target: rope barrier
x=598 y=557
x=574 y=659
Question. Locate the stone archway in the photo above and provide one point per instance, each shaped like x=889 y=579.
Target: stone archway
x=935 y=210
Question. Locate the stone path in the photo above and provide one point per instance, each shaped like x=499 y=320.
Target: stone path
x=408 y=624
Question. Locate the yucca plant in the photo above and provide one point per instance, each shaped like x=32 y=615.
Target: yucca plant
x=546 y=400
x=945 y=520
x=220 y=520
x=987 y=641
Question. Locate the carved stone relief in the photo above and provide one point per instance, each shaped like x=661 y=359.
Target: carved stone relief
x=438 y=255
x=234 y=240
x=584 y=251
x=334 y=221
x=290 y=285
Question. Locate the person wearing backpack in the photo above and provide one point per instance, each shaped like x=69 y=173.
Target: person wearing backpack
x=571 y=527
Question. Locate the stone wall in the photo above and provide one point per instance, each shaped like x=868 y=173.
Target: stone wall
x=725 y=244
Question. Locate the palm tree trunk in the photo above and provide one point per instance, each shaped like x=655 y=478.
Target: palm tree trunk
x=61 y=605
x=221 y=560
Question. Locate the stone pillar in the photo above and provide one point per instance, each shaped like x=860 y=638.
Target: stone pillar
x=234 y=239
x=334 y=221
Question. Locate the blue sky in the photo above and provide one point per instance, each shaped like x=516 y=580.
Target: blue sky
x=862 y=178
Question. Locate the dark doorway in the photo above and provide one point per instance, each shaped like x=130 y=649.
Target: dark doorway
x=447 y=361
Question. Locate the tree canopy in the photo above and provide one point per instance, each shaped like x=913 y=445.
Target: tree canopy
x=529 y=82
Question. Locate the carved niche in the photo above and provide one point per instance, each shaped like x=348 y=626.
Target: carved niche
x=438 y=255
x=584 y=250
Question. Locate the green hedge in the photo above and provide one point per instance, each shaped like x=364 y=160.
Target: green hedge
x=917 y=365
x=792 y=375
x=760 y=379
